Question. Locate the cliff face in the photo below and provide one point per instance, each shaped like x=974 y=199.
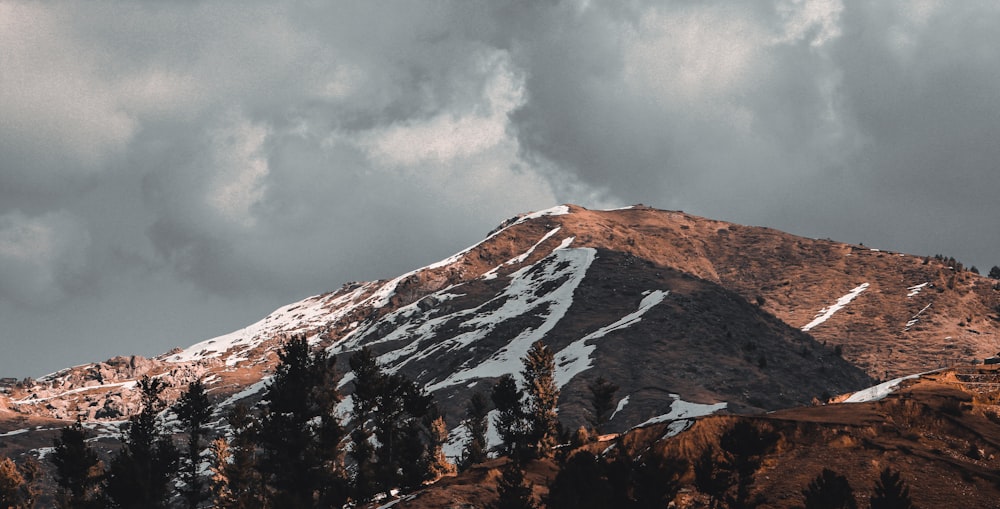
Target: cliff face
x=671 y=307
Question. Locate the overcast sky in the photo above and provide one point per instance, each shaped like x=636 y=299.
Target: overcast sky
x=172 y=171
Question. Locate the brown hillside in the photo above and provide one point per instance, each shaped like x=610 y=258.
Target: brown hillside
x=940 y=433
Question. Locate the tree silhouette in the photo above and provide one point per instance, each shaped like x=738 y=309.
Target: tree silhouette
x=542 y=398
x=139 y=475
x=581 y=484
x=78 y=469
x=399 y=415
x=602 y=402
x=510 y=421
x=194 y=411
x=236 y=483
x=829 y=490
x=890 y=492
x=439 y=465
x=18 y=483
x=368 y=381
x=476 y=424
x=512 y=491
x=300 y=432
x=727 y=475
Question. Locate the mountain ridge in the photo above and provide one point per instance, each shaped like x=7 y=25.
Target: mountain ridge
x=710 y=312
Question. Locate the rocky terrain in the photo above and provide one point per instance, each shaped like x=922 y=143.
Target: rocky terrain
x=677 y=310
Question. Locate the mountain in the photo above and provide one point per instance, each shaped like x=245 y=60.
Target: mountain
x=681 y=312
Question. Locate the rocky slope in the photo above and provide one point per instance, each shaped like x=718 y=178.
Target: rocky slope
x=673 y=308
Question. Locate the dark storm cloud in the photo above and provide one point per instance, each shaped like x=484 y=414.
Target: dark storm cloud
x=174 y=171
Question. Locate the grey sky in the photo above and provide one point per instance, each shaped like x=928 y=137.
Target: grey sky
x=173 y=171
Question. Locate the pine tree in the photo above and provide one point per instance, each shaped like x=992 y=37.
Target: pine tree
x=543 y=399
x=512 y=492
x=402 y=427
x=710 y=479
x=995 y=272
x=368 y=382
x=655 y=481
x=78 y=469
x=829 y=490
x=477 y=425
x=329 y=432
x=18 y=483
x=298 y=426
x=581 y=484
x=890 y=492
x=602 y=402
x=398 y=414
x=745 y=445
x=236 y=483
x=139 y=475
x=222 y=456
x=727 y=475
x=194 y=411
x=510 y=421
x=439 y=464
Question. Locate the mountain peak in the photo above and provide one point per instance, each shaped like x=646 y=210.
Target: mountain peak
x=669 y=306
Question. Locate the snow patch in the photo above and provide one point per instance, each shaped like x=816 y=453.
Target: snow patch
x=457 y=438
x=575 y=358
x=524 y=256
x=880 y=391
x=914 y=290
x=916 y=318
x=252 y=389
x=825 y=313
x=308 y=314
x=566 y=266
x=565 y=243
x=559 y=210
x=492 y=273
x=621 y=405
x=675 y=428
x=680 y=409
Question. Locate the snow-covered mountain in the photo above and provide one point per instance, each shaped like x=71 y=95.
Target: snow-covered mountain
x=675 y=309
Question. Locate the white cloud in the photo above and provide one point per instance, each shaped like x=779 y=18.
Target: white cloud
x=40 y=255
x=817 y=21
x=689 y=58
x=53 y=100
x=451 y=135
x=240 y=167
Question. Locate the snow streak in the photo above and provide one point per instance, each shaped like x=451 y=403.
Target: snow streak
x=825 y=313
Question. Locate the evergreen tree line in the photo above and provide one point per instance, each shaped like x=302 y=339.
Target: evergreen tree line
x=291 y=450
x=830 y=490
x=294 y=450
x=725 y=475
